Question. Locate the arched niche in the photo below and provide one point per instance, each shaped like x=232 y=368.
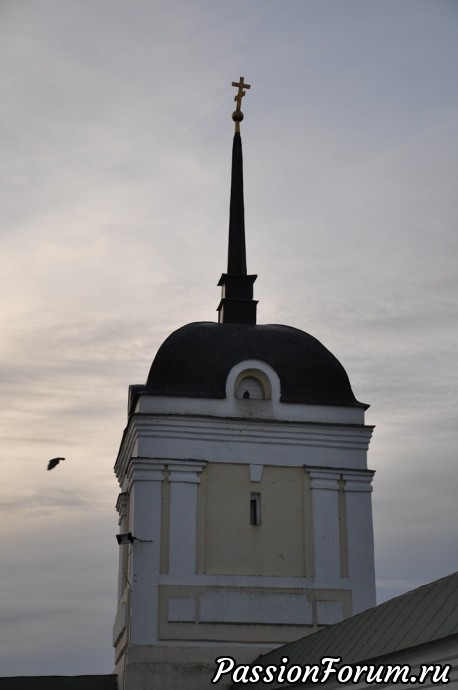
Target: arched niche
x=253 y=380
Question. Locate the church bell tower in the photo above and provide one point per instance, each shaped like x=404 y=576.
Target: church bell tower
x=245 y=512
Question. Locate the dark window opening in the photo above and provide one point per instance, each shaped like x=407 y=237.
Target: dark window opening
x=255 y=509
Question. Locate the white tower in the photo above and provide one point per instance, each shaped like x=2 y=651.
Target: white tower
x=244 y=485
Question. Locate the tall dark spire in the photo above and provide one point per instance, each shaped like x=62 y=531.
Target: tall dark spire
x=236 y=255
x=237 y=304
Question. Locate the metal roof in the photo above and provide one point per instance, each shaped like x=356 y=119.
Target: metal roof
x=426 y=614
x=195 y=360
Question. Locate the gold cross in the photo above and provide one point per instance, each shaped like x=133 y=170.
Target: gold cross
x=240 y=85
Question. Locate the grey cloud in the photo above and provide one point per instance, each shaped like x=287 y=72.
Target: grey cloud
x=48 y=500
x=115 y=187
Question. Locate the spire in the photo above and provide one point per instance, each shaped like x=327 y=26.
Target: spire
x=237 y=304
x=236 y=255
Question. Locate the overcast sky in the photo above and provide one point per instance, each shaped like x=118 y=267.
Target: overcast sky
x=116 y=131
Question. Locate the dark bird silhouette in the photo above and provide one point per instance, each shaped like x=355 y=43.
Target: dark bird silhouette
x=55 y=461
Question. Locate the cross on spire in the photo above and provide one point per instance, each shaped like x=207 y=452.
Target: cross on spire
x=241 y=93
x=237 y=115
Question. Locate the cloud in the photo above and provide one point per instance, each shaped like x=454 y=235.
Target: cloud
x=115 y=176
x=48 y=501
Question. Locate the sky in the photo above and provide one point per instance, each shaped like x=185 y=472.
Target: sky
x=116 y=134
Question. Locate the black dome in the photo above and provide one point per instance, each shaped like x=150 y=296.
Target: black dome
x=196 y=359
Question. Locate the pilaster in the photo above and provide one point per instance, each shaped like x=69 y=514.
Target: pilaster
x=360 y=536
x=325 y=512
x=184 y=479
x=122 y=505
x=144 y=487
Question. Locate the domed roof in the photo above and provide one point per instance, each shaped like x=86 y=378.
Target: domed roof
x=195 y=360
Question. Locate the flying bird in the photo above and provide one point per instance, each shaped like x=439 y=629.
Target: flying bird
x=55 y=461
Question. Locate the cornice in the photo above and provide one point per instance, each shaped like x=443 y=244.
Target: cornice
x=193 y=428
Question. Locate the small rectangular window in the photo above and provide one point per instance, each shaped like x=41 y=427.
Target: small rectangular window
x=255 y=509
